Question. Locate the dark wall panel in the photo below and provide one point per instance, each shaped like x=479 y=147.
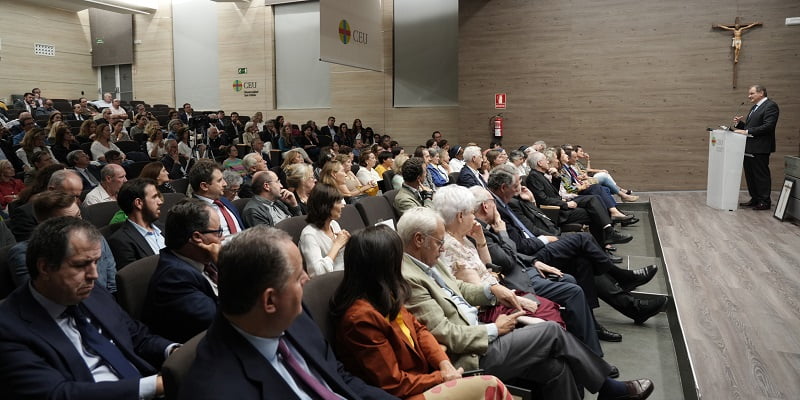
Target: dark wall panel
x=112 y=37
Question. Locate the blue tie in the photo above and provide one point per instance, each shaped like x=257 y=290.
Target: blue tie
x=518 y=223
x=101 y=346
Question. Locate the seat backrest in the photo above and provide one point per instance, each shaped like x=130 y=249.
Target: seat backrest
x=351 y=219
x=170 y=199
x=127 y=146
x=374 y=209
x=177 y=366
x=100 y=214
x=293 y=226
x=386 y=183
x=132 y=283
x=6 y=281
x=390 y=195
x=317 y=294
x=180 y=185
x=240 y=204
x=87 y=148
x=453 y=177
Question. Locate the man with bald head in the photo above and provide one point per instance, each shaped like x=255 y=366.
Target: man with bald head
x=271 y=203
x=112 y=176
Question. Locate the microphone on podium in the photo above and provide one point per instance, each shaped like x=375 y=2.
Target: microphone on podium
x=737 y=113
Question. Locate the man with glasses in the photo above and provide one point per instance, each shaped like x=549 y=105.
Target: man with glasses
x=271 y=203
x=253 y=163
x=181 y=299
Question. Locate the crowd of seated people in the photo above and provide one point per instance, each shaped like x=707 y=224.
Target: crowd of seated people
x=433 y=302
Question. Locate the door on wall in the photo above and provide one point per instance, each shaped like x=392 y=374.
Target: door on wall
x=116 y=79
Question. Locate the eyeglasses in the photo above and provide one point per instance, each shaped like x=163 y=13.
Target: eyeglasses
x=231 y=190
x=218 y=232
x=439 y=242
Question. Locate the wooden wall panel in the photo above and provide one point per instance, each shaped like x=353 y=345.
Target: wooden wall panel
x=66 y=74
x=153 y=69
x=636 y=82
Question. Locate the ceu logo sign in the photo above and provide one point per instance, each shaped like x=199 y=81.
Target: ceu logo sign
x=237 y=85
x=344 y=31
x=346 y=35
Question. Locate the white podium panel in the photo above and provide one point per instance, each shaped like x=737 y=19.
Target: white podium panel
x=725 y=155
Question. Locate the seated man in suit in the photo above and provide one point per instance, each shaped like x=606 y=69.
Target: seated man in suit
x=253 y=163
x=138 y=237
x=208 y=185
x=89 y=173
x=262 y=344
x=76 y=114
x=182 y=296
x=578 y=254
x=582 y=209
x=62 y=336
x=57 y=203
x=541 y=353
x=413 y=193
x=112 y=176
x=469 y=175
x=271 y=203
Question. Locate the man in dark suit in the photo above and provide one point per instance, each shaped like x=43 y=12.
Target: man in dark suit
x=90 y=174
x=469 y=175
x=76 y=114
x=262 y=344
x=760 y=124
x=271 y=203
x=582 y=209
x=62 y=337
x=331 y=129
x=182 y=296
x=208 y=185
x=138 y=237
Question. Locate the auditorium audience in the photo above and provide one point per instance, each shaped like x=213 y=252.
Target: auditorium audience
x=155 y=170
x=10 y=186
x=252 y=163
x=374 y=328
x=63 y=143
x=413 y=193
x=470 y=175
x=155 y=142
x=139 y=236
x=322 y=240
x=102 y=143
x=301 y=181
x=181 y=298
x=367 y=174
x=87 y=132
x=438 y=177
x=602 y=176
x=39 y=160
x=33 y=141
x=233 y=162
x=233 y=183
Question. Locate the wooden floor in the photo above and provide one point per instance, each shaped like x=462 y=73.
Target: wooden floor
x=735 y=277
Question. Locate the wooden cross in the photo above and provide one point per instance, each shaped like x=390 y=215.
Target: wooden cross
x=737 y=28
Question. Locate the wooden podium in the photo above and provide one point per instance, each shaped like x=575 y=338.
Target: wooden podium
x=725 y=155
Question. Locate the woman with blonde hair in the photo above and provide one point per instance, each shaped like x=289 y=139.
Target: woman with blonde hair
x=300 y=181
x=155 y=141
x=258 y=120
x=397 y=179
x=352 y=188
x=87 y=132
x=33 y=141
x=10 y=186
x=102 y=143
x=52 y=120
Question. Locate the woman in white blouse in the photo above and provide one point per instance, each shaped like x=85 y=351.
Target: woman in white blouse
x=322 y=240
x=102 y=143
x=367 y=174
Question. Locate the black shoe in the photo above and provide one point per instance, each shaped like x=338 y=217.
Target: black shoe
x=617 y=238
x=608 y=336
x=614 y=373
x=748 y=204
x=614 y=259
x=622 y=218
x=762 y=206
x=645 y=308
x=639 y=389
x=629 y=222
x=640 y=277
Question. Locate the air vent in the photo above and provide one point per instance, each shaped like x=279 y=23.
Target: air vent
x=44 y=49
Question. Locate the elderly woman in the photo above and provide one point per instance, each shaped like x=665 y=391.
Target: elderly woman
x=33 y=141
x=300 y=181
x=517 y=160
x=322 y=240
x=397 y=180
x=367 y=174
x=10 y=186
x=466 y=254
x=233 y=184
x=250 y=132
x=102 y=143
x=380 y=341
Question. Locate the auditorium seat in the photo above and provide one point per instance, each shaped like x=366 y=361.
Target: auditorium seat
x=132 y=282
x=170 y=199
x=127 y=146
x=293 y=226
x=317 y=294
x=100 y=214
x=177 y=366
x=180 y=185
x=374 y=209
x=351 y=219
x=240 y=204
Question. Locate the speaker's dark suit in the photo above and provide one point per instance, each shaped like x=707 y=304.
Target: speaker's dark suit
x=128 y=245
x=761 y=125
x=37 y=360
x=180 y=302
x=227 y=366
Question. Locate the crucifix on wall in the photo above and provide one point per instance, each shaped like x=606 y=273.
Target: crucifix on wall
x=737 y=28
